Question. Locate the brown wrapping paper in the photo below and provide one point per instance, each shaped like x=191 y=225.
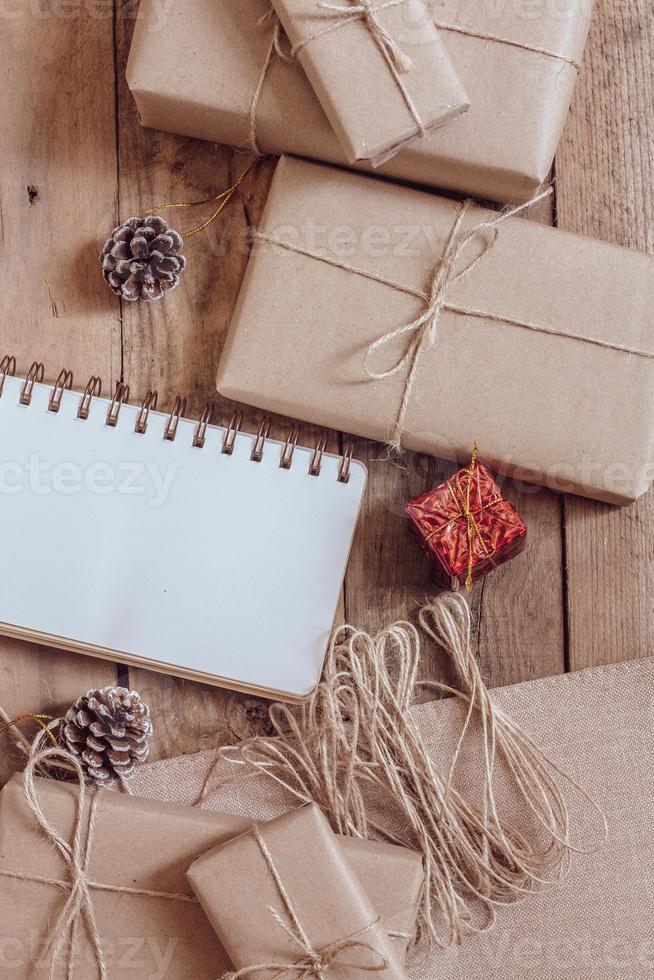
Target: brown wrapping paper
x=374 y=100
x=564 y=399
x=143 y=844
x=195 y=68
x=293 y=866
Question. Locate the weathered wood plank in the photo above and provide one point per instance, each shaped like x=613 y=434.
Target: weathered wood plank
x=175 y=345
x=57 y=199
x=605 y=188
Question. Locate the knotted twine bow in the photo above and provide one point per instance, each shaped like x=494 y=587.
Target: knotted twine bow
x=423 y=330
x=366 y=11
x=276 y=47
x=462 y=500
x=313 y=962
x=78 y=907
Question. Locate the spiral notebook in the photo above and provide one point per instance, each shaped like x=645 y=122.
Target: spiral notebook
x=180 y=546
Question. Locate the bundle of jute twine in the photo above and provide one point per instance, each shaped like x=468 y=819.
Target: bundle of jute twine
x=355 y=751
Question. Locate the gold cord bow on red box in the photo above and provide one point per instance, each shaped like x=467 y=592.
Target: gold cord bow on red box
x=467 y=526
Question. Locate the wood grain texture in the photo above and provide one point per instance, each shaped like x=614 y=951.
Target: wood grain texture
x=605 y=188
x=74 y=159
x=175 y=346
x=57 y=199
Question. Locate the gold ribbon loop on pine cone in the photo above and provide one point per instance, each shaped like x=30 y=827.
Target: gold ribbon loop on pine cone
x=313 y=962
x=78 y=908
x=423 y=330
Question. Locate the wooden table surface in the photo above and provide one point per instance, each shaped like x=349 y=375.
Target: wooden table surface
x=74 y=159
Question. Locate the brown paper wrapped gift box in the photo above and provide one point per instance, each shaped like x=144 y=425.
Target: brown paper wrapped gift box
x=373 y=104
x=317 y=901
x=544 y=351
x=195 y=68
x=146 y=845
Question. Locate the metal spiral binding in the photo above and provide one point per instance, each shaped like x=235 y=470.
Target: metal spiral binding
x=346 y=463
x=121 y=396
x=289 y=447
x=260 y=442
x=93 y=390
x=232 y=430
x=148 y=405
x=179 y=408
x=34 y=376
x=318 y=453
x=286 y=460
x=7 y=368
x=205 y=421
x=63 y=383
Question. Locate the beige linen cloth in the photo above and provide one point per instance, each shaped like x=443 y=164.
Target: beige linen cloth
x=598 y=725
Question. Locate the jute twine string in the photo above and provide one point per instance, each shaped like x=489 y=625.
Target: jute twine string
x=495 y=39
x=366 y=11
x=354 y=750
x=78 y=911
x=277 y=48
x=422 y=331
x=313 y=962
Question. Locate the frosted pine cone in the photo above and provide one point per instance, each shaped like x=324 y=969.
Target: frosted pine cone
x=108 y=730
x=143 y=258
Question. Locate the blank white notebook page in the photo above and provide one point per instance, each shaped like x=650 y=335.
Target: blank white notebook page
x=183 y=558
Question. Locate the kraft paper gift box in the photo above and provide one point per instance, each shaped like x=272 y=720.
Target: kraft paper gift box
x=208 y=69
x=381 y=73
x=283 y=892
x=145 y=846
x=542 y=350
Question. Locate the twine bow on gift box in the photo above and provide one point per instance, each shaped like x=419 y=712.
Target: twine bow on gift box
x=312 y=962
x=277 y=48
x=422 y=331
x=78 y=909
x=346 y=14
x=367 y=11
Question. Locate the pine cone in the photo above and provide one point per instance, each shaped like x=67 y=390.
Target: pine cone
x=108 y=731
x=142 y=259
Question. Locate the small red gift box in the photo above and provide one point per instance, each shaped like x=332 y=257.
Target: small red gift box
x=467 y=526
